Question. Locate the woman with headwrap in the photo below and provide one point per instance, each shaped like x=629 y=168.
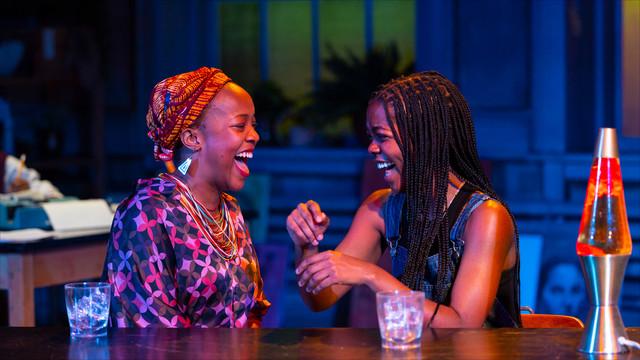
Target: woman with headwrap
x=448 y=233
x=180 y=254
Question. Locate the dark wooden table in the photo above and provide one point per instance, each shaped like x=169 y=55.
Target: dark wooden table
x=336 y=343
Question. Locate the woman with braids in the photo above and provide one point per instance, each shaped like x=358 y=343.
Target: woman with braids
x=448 y=233
x=180 y=254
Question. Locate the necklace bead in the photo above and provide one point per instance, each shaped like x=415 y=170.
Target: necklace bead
x=217 y=229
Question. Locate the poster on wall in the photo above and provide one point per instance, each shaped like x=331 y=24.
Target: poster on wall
x=561 y=287
x=551 y=280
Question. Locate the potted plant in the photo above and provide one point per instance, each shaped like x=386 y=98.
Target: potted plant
x=336 y=109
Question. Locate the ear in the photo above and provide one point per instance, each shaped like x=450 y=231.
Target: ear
x=191 y=138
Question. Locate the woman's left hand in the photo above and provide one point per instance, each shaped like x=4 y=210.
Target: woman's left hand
x=328 y=268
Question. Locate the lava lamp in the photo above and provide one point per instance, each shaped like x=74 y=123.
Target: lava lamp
x=604 y=248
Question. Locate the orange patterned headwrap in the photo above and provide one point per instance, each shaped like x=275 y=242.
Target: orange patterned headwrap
x=176 y=103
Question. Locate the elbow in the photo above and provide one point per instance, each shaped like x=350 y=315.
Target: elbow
x=469 y=322
x=318 y=302
x=317 y=307
x=314 y=304
x=456 y=319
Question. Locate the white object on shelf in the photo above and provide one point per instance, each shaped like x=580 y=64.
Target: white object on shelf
x=24 y=235
x=78 y=215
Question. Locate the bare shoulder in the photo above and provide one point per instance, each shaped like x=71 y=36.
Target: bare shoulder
x=370 y=212
x=490 y=221
x=492 y=209
x=376 y=200
x=363 y=238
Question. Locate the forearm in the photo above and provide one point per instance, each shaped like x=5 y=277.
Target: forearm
x=378 y=279
x=449 y=317
x=302 y=253
x=325 y=298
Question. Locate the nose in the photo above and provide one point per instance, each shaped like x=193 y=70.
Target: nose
x=253 y=136
x=373 y=148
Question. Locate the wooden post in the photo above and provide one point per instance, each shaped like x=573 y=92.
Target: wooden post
x=19 y=278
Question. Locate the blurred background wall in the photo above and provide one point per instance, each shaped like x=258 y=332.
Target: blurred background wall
x=541 y=77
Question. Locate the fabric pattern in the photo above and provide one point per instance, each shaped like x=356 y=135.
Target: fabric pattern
x=165 y=273
x=177 y=102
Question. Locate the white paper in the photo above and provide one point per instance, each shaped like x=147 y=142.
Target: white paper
x=80 y=233
x=78 y=215
x=24 y=235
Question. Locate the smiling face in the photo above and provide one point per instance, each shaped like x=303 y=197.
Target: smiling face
x=228 y=137
x=383 y=146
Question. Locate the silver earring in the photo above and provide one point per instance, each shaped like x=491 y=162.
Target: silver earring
x=184 y=167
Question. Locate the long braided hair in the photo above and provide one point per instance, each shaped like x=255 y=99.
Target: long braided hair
x=435 y=134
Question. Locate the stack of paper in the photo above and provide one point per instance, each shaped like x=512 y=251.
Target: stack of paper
x=24 y=235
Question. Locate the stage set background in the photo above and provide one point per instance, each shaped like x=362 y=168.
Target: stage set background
x=541 y=77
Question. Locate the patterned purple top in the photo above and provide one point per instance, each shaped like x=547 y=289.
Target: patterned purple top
x=165 y=273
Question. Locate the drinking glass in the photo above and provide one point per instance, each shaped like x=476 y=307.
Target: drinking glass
x=88 y=308
x=400 y=316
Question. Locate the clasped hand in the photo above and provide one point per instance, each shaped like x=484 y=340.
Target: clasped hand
x=307 y=224
x=328 y=268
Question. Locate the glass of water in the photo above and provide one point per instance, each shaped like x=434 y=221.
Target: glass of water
x=88 y=308
x=400 y=317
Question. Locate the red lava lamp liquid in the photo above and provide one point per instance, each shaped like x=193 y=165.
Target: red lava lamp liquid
x=604 y=228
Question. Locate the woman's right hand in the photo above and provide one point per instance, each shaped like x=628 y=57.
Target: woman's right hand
x=307 y=224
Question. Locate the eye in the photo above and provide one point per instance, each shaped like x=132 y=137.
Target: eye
x=242 y=123
x=381 y=137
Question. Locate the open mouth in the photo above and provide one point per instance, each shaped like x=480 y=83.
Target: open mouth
x=385 y=165
x=241 y=162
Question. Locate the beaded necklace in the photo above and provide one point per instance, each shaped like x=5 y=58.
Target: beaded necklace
x=223 y=237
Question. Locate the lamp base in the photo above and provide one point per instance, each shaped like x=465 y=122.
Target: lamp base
x=603 y=275
x=602 y=330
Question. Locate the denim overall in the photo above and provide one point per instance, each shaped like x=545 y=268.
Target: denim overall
x=393 y=213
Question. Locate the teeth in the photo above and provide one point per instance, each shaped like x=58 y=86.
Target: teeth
x=246 y=155
x=384 y=165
